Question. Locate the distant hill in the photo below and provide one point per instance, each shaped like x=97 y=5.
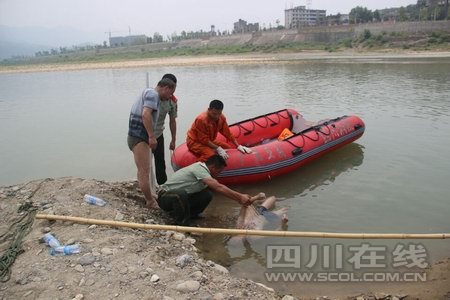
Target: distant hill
x=29 y=40
x=10 y=49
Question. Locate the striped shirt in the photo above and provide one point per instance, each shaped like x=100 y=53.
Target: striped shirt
x=150 y=99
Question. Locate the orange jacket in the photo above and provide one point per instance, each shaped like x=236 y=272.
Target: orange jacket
x=204 y=130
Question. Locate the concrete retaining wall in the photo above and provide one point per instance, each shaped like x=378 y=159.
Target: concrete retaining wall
x=326 y=34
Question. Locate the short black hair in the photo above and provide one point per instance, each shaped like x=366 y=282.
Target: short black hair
x=170 y=76
x=166 y=82
x=216 y=104
x=216 y=161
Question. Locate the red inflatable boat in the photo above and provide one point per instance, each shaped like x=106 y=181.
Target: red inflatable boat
x=281 y=141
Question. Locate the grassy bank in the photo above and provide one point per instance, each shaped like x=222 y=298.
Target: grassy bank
x=111 y=56
x=140 y=56
x=435 y=41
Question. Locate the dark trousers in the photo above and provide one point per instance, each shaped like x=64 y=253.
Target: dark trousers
x=183 y=206
x=160 y=163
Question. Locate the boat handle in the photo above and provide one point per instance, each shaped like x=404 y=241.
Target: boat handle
x=297 y=151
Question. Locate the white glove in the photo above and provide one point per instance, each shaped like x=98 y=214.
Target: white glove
x=244 y=149
x=222 y=152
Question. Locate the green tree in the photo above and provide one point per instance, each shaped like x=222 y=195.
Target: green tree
x=360 y=14
x=157 y=38
x=423 y=15
x=376 y=15
x=402 y=14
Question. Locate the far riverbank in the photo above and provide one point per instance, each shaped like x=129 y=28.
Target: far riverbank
x=257 y=58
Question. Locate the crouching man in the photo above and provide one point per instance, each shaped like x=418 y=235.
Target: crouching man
x=188 y=191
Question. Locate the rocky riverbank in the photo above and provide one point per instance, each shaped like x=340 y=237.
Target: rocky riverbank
x=121 y=263
x=114 y=262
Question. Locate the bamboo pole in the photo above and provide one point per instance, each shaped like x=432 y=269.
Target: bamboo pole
x=247 y=232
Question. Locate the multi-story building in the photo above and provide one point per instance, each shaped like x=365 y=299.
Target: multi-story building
x=241 y=26
x=300 y=17
x=120 y=41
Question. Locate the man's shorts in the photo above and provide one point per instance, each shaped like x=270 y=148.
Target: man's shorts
x=261 y=210
x=133 y=141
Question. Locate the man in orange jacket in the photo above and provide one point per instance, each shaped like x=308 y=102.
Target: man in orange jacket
x=202 y=137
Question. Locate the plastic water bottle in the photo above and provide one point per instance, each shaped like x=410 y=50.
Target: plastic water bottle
x=50 y=240
x=65 y=250
x=94 y=200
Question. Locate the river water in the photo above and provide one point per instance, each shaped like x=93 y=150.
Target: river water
x=393 y=179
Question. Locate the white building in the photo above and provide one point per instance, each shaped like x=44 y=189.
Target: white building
x=300 y=17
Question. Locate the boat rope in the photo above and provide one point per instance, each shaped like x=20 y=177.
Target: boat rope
x=267 y=122
x=294 y=145
x=248 y=232
x=16 y=233
x=319 y=129
x=254 y=123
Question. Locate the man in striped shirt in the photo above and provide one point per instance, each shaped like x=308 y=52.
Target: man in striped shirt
x=141 y=138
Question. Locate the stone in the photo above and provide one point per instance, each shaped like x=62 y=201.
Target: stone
x=189 y=241
x=46 y=230
x=178 y=236
x=197 y=275
x=265 y=287
x=220 y=269
x=183 y=260
x=219 y=296
x=381 y=296
x=90 y=282
x=287 y=297
x=188 y=286
x=78 y=297
x=86 y=260
x=82 y=280
x=119 y=216
x=92 y=226
x=154 y=278
x=70 y=242
x=79 y=268
x=106 y=251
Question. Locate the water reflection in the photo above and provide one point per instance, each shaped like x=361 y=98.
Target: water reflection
x=286 y=188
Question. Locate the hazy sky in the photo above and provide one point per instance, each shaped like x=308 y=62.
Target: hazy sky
x=163 y=16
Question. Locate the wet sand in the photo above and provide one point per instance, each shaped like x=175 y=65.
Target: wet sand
x=252 y=58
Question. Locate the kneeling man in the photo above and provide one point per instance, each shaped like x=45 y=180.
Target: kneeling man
x=188 y=191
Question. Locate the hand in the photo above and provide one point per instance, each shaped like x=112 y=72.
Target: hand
x=172 y=145
x=152 y=142
x=246 y=200
x=222 y=152
x=244 y=149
